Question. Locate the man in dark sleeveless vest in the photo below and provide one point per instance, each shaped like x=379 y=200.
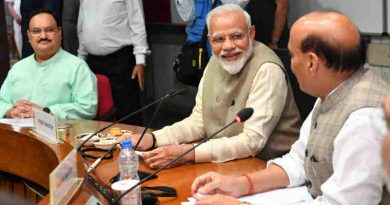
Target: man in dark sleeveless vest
x=242 y=73
x=337 y=155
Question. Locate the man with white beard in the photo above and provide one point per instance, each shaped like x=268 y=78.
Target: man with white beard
x=241 y=73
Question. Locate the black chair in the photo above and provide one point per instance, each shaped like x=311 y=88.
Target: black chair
x=173 y=109
x=304 y=101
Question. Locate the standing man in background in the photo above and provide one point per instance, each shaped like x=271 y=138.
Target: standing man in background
x=194 y=12
x=112 y=39
x=13 y=7
x=4 y=52
x=26 y=9
x=70 y=13
x=270 y=20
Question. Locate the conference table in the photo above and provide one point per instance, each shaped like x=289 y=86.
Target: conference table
x=28 y=156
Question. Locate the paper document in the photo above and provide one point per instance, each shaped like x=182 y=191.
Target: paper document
x=25 y=122
x=286 y=196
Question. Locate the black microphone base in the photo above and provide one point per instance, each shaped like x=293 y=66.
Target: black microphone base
x=106 y=192
x=141 y=175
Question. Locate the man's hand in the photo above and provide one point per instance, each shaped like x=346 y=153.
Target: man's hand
x=163 y=155
x=213 y=183
x=145 y=144
x=272 y=46
x=18 y=112
x=29 y=104
x=216 y=199
x=22 y=109
x=18 y=20
x=138 y=72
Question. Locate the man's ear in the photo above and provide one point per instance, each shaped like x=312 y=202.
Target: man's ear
x=313 y=63
x=309 y=64
x=29 y=37
x=252 y=32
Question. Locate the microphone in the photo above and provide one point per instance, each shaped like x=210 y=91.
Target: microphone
x=244 y=114
x=97 y=162
x=170 y=94
x=148 y=125
x=241 y=116
x=159 y=101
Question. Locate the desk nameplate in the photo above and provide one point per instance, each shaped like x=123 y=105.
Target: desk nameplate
x=45 y=126
x=64 y=182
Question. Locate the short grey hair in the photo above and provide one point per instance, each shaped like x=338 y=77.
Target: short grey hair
x=227 y=8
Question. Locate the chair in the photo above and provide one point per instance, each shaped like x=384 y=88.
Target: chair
x=304 y=101
x=106 y=110
x=173 y=109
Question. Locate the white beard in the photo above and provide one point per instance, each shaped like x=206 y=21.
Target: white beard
x=234 y=67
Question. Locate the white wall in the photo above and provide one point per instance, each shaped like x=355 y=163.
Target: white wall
x=367 y=14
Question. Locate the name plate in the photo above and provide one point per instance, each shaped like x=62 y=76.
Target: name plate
x=64 y=182
x=45 y=125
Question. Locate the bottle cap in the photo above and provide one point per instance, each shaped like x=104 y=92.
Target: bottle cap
x=126 y=144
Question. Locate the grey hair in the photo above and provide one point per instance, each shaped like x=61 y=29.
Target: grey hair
x=227 y=8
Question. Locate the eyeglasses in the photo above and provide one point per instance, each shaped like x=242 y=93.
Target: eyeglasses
x=235 y=36
x=48 y=30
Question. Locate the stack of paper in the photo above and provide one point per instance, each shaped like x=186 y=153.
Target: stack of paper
x=25 y=122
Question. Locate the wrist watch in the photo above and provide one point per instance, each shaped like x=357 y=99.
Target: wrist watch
x=46 y=110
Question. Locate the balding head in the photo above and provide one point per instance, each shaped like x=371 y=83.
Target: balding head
x=333 y=37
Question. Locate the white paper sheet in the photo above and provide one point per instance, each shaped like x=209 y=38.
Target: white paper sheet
x=294 y=195
x=25 y=122
x=286 y=196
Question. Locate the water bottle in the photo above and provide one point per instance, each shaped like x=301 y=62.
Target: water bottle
x=128 y=166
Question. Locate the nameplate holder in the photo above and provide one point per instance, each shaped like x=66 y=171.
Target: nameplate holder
x=45 y=126
x=64 y=182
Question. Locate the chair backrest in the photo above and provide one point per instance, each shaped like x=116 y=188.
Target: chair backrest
x=106 y=109
x=304 y=101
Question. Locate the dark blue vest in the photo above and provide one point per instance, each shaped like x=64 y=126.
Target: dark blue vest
x=195 y=30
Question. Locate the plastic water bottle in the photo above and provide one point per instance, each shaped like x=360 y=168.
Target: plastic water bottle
x=128 y=165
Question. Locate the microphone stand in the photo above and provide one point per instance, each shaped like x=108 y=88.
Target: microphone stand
x=115 y=200
x=148 y=125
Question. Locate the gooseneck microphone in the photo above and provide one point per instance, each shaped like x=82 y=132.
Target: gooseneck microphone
x=241 y=116
x=159 y=101
x=97 y=162
x=170 y=94
x=148 y=125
